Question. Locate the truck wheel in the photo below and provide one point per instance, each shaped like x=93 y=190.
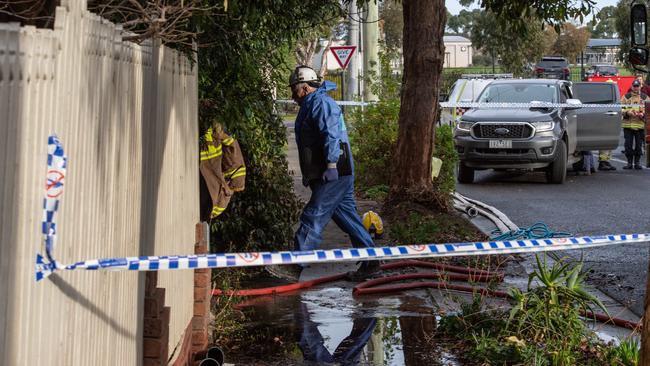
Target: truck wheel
x=556 y=172
x=465 y=174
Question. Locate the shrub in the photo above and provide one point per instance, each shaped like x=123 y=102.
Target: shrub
x=373 y=132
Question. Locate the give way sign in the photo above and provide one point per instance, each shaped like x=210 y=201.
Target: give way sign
x=343 y=54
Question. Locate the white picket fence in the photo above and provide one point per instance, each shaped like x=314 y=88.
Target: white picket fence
x=127 y=116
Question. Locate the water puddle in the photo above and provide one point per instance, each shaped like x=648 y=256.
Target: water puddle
x=329 y=326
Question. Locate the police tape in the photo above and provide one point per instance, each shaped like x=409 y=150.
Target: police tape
x=499 y=105
x=56 y=171
x=249 y=259
x=534 y=104
x=339 y=102
x=46 y=265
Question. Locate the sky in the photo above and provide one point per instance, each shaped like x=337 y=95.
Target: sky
x=454 y=6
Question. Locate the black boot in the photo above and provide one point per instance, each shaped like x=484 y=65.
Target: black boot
x=637 y=164
x=605 y=165
x=629 y=162
x=366 y=270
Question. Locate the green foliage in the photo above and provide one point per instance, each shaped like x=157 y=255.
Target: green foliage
x=518 y=13
x=391 y=12
x=603 y=24
x=373 y=131
x=551 y=311
x=445 y=182
x=461 y=24
x=419 y=228
x=377 y=193
x=246 y=58
x=542 y=328
x=515 y=48
x=626 y=353
x=479 y=59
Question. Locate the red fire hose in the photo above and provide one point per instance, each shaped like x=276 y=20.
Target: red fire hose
x=372 y=286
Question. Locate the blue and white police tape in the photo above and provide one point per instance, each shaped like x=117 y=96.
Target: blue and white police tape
x=231 y=260
x=339 y=102
x=57 y=163
x=534 y=104
x=499 y=105
x=56 y=170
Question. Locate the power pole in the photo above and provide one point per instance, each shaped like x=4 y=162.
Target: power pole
x=352 y=73
x=371 y=48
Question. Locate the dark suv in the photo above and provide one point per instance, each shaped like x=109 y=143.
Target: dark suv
x=552 y=67
x=602 y=70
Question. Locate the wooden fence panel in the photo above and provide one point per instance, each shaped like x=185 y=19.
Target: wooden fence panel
x=127 y=117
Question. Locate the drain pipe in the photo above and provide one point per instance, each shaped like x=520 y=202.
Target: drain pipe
x=209 y=362
x=472 y=211
x=494 y=211
x=212 y=357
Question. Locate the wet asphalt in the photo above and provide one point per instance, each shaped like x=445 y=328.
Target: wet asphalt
x=612 y=202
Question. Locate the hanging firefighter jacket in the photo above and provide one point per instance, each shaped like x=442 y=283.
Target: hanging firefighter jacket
x=234 y=170
x=222 y=171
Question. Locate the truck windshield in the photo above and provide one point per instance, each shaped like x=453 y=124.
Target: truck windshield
x=518 y=93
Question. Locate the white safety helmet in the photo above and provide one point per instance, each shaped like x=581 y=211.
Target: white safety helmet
x=303 y=74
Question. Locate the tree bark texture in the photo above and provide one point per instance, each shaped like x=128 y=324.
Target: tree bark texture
x=423 y=49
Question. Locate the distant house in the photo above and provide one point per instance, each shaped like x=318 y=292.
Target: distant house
x=458 y=51
x=601 y=51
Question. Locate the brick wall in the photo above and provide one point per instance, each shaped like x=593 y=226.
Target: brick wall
x=156 y=323
x=156 y=315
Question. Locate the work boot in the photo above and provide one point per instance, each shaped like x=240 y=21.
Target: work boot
x=366 y=270
x=605 y=165
x=629 y=163
x=288 y=272
x=637 y=164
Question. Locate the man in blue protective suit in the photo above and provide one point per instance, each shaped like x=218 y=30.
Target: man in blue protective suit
x=327 y=168
x=347 y=353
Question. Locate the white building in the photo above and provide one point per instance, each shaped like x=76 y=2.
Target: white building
x=601 y=51
x=458 y=51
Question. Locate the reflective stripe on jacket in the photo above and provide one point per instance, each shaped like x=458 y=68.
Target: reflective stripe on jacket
x=233 y=167
x=630 y=122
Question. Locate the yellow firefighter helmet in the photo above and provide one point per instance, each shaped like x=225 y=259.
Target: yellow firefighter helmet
x=372 y=222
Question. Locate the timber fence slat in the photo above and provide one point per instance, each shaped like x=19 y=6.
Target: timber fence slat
x=127 y=115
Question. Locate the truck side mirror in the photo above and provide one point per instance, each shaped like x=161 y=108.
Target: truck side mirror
x=638 y=25
x=638 y=56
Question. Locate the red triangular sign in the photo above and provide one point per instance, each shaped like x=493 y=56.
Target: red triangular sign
x=343 y=54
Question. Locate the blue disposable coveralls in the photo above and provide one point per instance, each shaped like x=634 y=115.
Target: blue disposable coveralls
x=320 y=129
x=347 y=353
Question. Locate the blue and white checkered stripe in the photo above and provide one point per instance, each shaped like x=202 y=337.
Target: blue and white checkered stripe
x=230 y=260
x=57 y=163
x=56 y=171
x=533 y=105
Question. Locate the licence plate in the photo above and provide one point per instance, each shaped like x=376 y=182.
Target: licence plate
x=500 y=144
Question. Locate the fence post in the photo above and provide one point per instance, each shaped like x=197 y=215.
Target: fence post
x=645 y=330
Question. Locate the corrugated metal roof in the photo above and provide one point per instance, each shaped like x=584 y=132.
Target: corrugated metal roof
x=455 y=39
x=604 y=42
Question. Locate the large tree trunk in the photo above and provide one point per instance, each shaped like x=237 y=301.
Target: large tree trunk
x=424 y=26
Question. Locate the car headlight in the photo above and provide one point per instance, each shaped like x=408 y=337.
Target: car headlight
x=544 y=126
x=464 y=125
